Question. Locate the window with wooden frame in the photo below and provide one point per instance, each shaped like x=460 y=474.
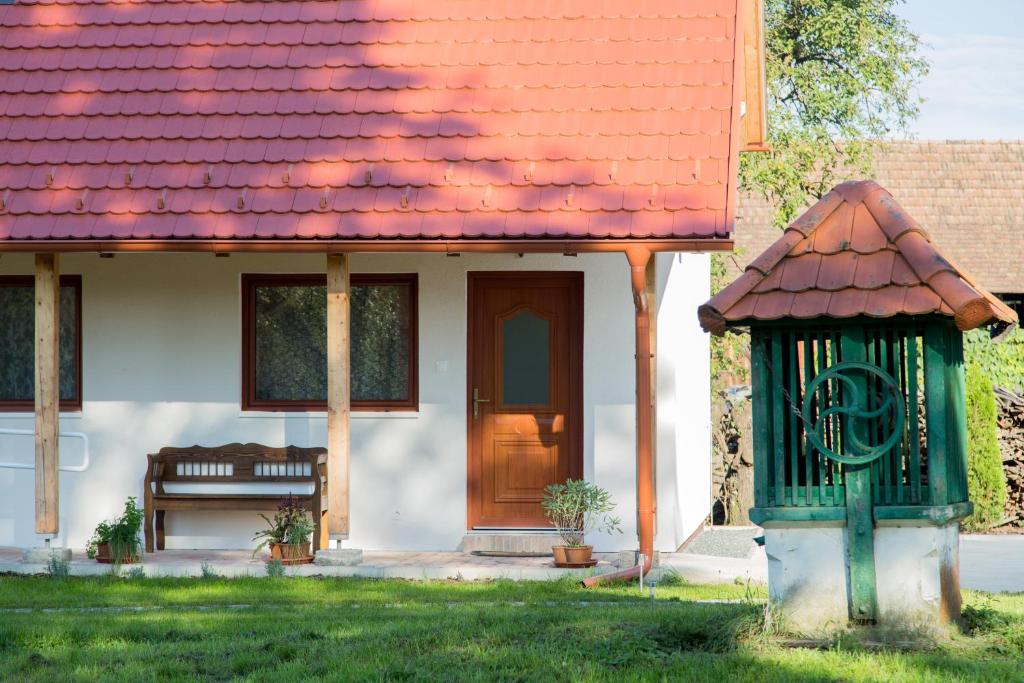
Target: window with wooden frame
x=17 y=342
x=284 y=342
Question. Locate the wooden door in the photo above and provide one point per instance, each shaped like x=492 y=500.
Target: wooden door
x=525 y=393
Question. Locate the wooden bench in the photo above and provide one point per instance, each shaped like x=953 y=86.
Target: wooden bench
x=234 y=464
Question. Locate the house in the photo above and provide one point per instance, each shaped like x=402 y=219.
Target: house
x=966 y=192
x=450 y=241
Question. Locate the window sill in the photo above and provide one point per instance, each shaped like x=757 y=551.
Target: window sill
x=322 y=414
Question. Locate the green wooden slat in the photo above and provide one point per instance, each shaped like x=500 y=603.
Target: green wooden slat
x=761 y=416
x=932 y=514
x=935 y=411
x=836 y=395
x=915 y=433
x=859 y=520
x=957 y=417
x=822 y=484
x=885 y=362
x=792 y=410
x=872 y=429
x=778 y=418
x=760 y=516
x=901 y=378
x=808 y=358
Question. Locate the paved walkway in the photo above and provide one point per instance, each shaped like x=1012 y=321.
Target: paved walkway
x=988 y=563
x=992 y=562
x=405 y=565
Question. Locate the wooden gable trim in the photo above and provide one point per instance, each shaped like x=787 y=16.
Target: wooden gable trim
x=753 y=103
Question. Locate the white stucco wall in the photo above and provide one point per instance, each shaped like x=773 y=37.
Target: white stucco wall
x=161 y=366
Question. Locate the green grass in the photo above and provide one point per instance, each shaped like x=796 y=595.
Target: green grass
x=356 y=629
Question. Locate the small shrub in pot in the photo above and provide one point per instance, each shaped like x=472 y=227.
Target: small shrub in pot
x=116 y=541
x=287 y=534
x=577 y=508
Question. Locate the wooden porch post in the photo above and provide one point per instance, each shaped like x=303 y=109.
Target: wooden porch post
x=640 y=263
x=338 y=392
x=47 y=392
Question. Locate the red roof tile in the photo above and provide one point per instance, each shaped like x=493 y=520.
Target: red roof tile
x=856 y=252
x=446 y=119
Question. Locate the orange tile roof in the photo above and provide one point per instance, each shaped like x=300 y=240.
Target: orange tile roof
x=854 y=253
x=367 y=119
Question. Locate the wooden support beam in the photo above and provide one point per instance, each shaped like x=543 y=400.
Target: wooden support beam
x=338 y=396
x=47 y=392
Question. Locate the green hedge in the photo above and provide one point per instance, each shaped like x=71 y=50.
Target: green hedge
x=1002 y=362
x=986 y=483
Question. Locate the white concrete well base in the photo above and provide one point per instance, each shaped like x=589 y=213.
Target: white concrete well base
x=339 y=557
x=916 y=574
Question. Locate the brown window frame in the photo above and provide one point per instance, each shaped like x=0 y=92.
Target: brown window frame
x=71 y=405
x=250 y=281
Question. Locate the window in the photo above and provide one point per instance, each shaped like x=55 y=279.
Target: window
x=284 y=355
x=17 y=342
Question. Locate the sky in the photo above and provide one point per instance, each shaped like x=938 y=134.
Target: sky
x=975 y=89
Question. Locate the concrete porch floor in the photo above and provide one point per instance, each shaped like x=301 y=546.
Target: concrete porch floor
x=399 y=565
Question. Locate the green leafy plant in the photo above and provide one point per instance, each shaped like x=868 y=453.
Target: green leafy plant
x=207 y=571
x=275 y=569
x=57 y=567
x=578 y=507
x=120 y=534
x=986 y=483
x=134 y=573
x=1002 y=362
x=291 y=525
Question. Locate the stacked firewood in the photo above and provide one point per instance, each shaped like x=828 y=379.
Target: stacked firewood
x=1011 y=445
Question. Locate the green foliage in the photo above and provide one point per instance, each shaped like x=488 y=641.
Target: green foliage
x=207 y=571
x=291 y=525
x=1002 y=362
x=730 y=353
x=134 y=574
x=841 y=75
x=120 y=533
x=364 y=629
x=986 y=483
x=275 y=569
x=578 y=507
x=57 y=567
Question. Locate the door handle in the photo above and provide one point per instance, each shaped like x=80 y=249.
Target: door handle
x=476 y=403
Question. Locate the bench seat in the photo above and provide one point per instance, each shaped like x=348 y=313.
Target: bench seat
x=234 y=464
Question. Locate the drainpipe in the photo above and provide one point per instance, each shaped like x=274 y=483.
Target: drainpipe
x=639 y=259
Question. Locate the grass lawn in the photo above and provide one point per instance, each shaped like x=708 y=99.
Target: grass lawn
x=353 y=629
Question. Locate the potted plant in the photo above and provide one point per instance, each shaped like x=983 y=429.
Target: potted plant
x=576 y=508
x=287 y=534
x=116 y=541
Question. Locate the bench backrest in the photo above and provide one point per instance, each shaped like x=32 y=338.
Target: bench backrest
x=237 y=462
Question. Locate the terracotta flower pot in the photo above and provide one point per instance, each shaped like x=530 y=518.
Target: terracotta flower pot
x=572 y=556
x=289 y=552
x=103 y=555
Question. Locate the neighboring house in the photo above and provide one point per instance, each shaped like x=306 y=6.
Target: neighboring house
x=474 y=173
x=966 y=194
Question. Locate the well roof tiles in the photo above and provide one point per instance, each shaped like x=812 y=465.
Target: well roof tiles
x=854 y=253
x=447 y=119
